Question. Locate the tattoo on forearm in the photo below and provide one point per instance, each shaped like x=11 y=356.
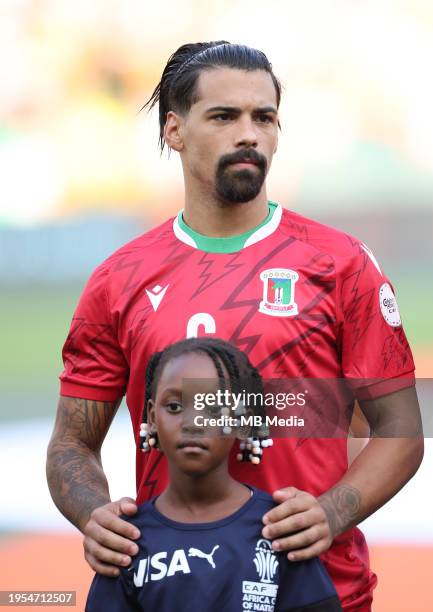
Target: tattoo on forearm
x=342 y=507
x=74 y=471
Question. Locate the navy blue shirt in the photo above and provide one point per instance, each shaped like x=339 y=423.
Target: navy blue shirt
x=223 y=566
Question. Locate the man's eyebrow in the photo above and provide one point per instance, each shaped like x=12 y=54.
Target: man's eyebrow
x=224 y=109
x=236 y=109
x=266 y=109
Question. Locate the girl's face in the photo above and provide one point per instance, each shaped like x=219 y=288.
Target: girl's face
x=186 y=445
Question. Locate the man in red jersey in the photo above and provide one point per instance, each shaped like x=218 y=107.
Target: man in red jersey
x=212 y=270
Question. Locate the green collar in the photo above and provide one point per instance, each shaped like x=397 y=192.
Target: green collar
x=232 y=243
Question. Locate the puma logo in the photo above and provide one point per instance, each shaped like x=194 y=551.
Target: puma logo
x=195 y=552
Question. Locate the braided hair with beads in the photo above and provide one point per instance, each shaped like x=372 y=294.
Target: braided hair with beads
x=242 y=377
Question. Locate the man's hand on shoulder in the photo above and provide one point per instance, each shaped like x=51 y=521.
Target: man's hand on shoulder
x=298 y=524
x=108 y=539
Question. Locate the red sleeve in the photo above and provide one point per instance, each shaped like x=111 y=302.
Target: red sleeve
x=375 y=353
x=94 y=365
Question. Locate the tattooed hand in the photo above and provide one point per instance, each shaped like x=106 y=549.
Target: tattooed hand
x=342 y=506
x=79 y=487
x=305 y=525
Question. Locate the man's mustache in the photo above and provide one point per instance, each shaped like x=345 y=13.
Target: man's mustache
x=245 y=155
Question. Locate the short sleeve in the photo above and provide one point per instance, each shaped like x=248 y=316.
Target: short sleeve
x=94 y=365
x=375 y=353
x=305 y=585
x=112 y=594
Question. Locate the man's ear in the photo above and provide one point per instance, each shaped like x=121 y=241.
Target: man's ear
x=278 y=134
x=173 y=131
x=151 y=421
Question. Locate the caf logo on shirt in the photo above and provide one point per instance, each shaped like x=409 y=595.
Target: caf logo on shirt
x=265 y=561
x=261 y=595
x=279 y=292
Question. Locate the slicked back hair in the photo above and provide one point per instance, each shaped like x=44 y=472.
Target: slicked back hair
x=177 y=89
x=227 y=359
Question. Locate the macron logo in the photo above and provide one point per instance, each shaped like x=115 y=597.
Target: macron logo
x=155 y=295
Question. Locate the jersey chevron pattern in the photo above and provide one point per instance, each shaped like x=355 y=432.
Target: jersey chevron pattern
x=301 y=299
x=223 y=566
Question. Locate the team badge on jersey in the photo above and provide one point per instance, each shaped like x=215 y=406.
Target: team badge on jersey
x=388 y=305
x=279 y=292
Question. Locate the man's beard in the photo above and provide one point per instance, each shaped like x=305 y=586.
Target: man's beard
x=242 y=185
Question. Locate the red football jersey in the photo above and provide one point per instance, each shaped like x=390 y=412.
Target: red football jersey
x=300 y=298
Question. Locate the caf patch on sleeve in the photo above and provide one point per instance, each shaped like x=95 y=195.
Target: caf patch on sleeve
x=388 y=306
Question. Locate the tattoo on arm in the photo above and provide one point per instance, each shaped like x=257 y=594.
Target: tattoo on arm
x=74 y=471
x=342 y=508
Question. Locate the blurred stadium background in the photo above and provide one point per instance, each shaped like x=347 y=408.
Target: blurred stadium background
x=81 y=175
